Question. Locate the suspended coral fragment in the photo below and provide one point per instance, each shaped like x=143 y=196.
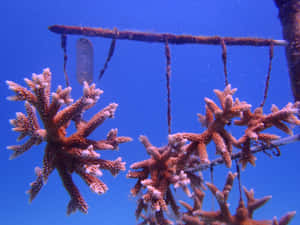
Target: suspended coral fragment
x=195 y=215
x=157 y=175
x=215 y=120
x=217 y=117
x=67 y=154
x=257 y=121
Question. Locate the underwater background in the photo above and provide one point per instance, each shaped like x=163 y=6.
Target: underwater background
x=135 y=79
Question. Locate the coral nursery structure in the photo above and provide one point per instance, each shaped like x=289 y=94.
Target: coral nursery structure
x=68 y=154
x=174 y=166
x=171 y=166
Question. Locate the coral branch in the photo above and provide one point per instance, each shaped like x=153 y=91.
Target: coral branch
x=108 y=112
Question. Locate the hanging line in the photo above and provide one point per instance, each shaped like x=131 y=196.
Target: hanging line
x=224 y=59
x=212 y=181
x=271 y=55
x=168 y=75
x=110 y=54
x=64 y=47
x=239 y=178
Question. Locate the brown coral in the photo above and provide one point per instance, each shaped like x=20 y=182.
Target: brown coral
x=242 y=216
x=257 y=122
x=161 y=172
x=216 y=118
x=68 y=154
x=172 y=165
x=158 y=176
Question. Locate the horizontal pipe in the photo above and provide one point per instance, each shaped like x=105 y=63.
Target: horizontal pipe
x=162 y=37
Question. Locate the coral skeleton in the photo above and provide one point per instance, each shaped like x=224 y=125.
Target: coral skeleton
x=75 y=153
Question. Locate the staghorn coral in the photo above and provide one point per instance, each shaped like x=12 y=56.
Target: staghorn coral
x=161 y=172
x=243 y=216
x=171 y=165
x=168 y=166
x=157 y=175
x=257 y=122
x=216 y=118
x=68 y=154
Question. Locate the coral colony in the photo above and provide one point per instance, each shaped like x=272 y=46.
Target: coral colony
x=169 y=167
x=68 y=154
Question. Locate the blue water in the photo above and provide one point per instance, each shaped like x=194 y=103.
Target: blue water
x=135 y=79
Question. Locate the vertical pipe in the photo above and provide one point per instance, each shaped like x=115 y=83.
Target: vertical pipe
x=289 y=15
